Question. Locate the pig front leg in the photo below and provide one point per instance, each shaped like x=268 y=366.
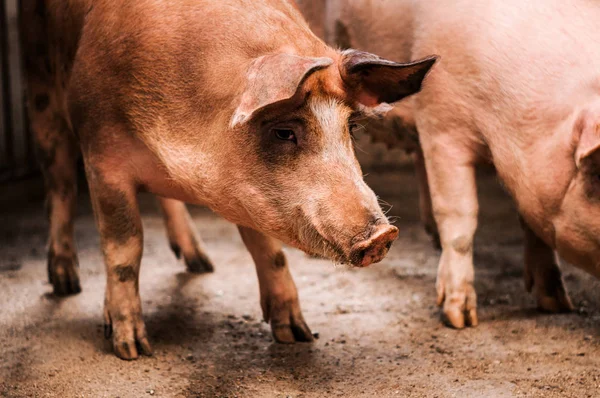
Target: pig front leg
x=425 y=206
x=542 y=274
x=119 y=223
x=183 y=237
x=451 y=175
x=278 y=294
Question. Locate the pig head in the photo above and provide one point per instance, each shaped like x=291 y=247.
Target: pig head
x=295 y=175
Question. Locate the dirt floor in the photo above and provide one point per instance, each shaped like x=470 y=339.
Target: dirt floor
x=379 y=328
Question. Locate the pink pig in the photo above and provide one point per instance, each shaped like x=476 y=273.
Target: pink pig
x=518 y=86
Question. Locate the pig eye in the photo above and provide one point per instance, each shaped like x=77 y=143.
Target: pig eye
x=285 y=134
x=355 y=122
x=353 y=127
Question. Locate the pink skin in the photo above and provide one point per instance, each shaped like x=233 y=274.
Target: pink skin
x=523 y=96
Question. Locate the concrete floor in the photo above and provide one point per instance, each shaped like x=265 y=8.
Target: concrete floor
x=379 y=328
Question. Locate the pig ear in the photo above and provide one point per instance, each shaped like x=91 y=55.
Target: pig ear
x=272 y=79
x=373 y=80
x=588 y=128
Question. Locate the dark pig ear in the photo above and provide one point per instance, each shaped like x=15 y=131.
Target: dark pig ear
x=272 y=79
x=373 y=80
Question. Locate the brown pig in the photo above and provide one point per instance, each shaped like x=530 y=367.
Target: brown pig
x=518 y=86
x=232 y=104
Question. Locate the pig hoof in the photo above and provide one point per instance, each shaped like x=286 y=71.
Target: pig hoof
x=287 y=323
x=129 y=350
x=124 y=345
x=555 y=301
x=63 y=274
x=199 y=263
x=292 y=332
x=550 y=291
x=460 y=310
x=458 y=319
x=196 y=261
x=555 y=304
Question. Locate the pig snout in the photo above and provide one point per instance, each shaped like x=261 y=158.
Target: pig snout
x=374 y=248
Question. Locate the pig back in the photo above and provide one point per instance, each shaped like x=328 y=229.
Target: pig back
x=181 y=62
x=511 y=62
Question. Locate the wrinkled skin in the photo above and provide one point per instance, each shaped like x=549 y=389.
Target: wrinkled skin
x=180 y=104
x=524 y=97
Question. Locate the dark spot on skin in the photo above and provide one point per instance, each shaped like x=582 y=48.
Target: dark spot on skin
x=462 y=245
x=41 y=102
x=120 y=318
x=125 y=273
x=279 y=260
x=120 y=217
x=342 y=37
x=66 y=246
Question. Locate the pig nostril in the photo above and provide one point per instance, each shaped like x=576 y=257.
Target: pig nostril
x=361 y=254
x=388 y=245
x=357 y=256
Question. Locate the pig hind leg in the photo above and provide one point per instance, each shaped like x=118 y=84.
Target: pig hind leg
x=57 y=154
x=278 y=294
x=183 y=238
x=542 y=274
